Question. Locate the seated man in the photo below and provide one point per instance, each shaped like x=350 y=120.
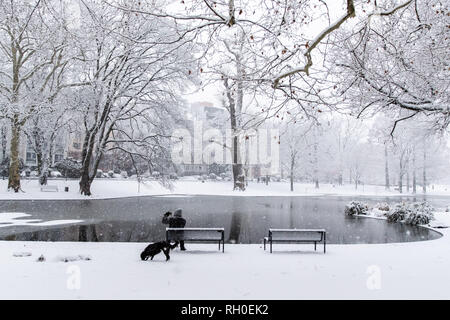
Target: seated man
x=177 y=221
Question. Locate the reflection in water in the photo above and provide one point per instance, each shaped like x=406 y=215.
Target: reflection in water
x=235 y=227
x=82 y=233
x=115 y=231
x=291 y=215
x=87 y=233
x=245 y=219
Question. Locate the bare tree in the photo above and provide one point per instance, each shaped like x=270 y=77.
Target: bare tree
x=45 y=130
x=132 y=75
x=424 y=173
x=273 y=32
x=294 y=146
x=395 y=61
x=386 y=167
x=32 y=49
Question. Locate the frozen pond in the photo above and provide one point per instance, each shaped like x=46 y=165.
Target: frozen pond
x=245 y=219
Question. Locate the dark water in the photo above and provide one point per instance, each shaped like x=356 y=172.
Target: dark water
x=245 y=219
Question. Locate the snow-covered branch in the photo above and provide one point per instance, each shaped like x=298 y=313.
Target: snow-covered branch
x=310 y=47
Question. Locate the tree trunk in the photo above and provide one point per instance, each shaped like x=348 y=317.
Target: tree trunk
x=39 y=162
x=85 y=184
x=85 y=181
x=237 y=166
x=386 y=168
x=46 y=162
x=341 y=171
x=400 y=178
x=414 y=185
x=237 y=174
x=43 y=176
x=236 y=125
x=316 y=164
x=424 y=186
x=292 y=172
x=14 y=165
x=234 y=109
x=3 y=141
x=407 y=175
x=86 y=177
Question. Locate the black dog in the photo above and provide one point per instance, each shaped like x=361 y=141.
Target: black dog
x=154 y=248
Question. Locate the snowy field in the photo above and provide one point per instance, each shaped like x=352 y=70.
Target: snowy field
x=81 y=270
x=108 y=188
x=418 y=270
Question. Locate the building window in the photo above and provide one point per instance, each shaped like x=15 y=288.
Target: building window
x=59 y=157
x=31 y=157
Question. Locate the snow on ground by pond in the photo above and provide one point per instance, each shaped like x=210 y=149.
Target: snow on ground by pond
x=416 y=270
x=387 y=271
x=111 y=188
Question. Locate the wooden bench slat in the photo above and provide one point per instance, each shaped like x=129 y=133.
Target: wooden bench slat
x=49 y=189
x=196 y=234
x=296 y=236
x=297 y=230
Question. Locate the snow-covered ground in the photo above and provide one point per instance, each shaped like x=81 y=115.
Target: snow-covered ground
x=112 y=188
x=417 y=270
x=81 y=270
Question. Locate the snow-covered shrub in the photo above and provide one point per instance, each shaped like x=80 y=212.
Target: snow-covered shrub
x=356 y=207
x=101 y=174
x=413 y=213
x=380 y=210
x=79 y=257
x=69 y=168
x=423 y=207
x=212 y=176
x=415 y=218
x=377 y=212
x=398 y=213
x=22 y=254
x=4 y=166
x=382 y=206
x=420 y=213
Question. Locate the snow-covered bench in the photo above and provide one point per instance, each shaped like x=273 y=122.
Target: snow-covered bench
x=49 y=188
x=296 y=236
x=197 y=234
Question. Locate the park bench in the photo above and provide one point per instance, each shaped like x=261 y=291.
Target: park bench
x=197 y=234
x=49 y=188
x=296 y=236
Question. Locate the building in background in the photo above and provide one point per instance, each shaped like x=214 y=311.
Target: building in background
x=67 y=145
x=209 y=116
